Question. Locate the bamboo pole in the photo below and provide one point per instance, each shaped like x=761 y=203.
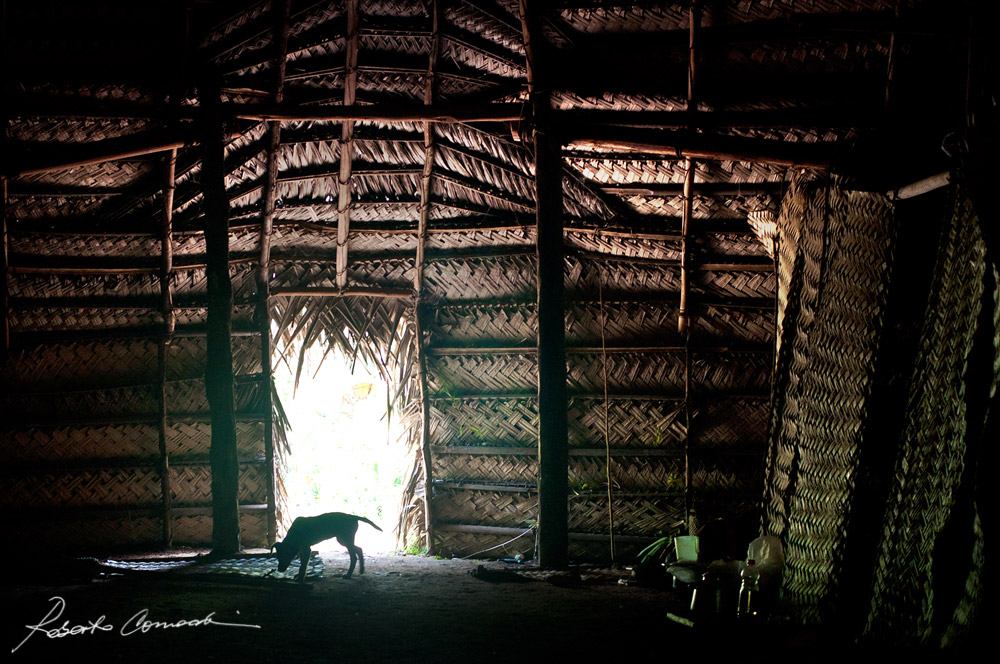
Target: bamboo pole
x=4 y=264
x=426 y=177
x=684 y=144
x=169 y=324
x=281 y=11
x=552 y=400
x=683 y=319
x=346 y=147
x=219 y=380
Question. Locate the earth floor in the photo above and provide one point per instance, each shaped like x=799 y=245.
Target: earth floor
x=404 y=608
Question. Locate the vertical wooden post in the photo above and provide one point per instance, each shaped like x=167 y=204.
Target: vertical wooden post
x=219 y=382
x=418 y=278
x=683 y=317
x=281 y=12
x=5 y=305
x=553 y=446
x=167 y=254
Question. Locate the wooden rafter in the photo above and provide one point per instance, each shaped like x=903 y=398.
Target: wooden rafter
x=346 y=148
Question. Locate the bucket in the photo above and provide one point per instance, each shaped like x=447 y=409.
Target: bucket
x=686 y=547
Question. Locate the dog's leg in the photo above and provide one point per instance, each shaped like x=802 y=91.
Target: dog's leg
x=349 y=543
x=361 y=559
x=305 y=553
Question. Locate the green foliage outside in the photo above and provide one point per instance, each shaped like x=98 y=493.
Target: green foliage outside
x=346 y=454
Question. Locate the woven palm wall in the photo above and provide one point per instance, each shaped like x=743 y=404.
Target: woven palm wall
x=86 y=380
x=873 y=501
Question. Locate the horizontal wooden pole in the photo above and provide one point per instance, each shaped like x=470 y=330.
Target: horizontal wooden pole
x=533 y=451
x=319 y=291
x=683 y=119
x=442 y=113
x=592 y=350
x=709 y=189
x=683 y=144
x=665 y=397
x=921 y=187
x=504 y=531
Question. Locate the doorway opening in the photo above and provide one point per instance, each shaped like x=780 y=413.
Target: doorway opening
x=347 y=446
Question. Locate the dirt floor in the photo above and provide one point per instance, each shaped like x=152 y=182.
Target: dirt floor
x=405 y=608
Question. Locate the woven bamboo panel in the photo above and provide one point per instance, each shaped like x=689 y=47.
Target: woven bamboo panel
x=732 y=244
x=241 y=239
x=632 y=515
x=844 y=249
x=625 y=246
x=40 y=286
x=585 y=275
x=196 y=530
x=192 y=485
x=188 y=396
x=487 y=508
x=56 y=244
x=718 y=325
x=111 y=487
x=608 y=171
x=481 y=546
x=188 y=313
x=26 y=320
x=741 y=373
x=502 y=422
x=498 y=238
x=622 y=323
x=456 y=374
x=60 y=366
x=190 y=282
x=501 y=324
x=123 y=401
x=195 y=438
x=730 y=207
x=736 y=284
x=188 y=356
x=485 y=468
x=732 y=423
x=511 y=277
x=627 y=473
x=728 y=473
x=928 y=476
x=90 y=535
x=626 y=372
x=78 y=443
x=629 y=423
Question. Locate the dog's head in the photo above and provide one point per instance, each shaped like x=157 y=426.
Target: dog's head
x=285 y=553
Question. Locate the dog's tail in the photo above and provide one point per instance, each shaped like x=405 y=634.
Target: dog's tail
x=370 y=523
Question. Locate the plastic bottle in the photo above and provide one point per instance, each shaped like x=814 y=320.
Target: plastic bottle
x=749 y=589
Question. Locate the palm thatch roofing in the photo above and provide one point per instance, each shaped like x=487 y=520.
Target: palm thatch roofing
x=379 y=168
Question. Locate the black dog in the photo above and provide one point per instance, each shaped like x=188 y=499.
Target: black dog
x=309 y=530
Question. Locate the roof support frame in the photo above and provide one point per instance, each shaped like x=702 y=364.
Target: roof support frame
x=553 y=446
x=347 y=134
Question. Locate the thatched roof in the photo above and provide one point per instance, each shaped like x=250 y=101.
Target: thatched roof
x=380 y=174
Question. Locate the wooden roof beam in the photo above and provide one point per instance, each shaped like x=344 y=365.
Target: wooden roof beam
x=683 y=144
x=347 y=133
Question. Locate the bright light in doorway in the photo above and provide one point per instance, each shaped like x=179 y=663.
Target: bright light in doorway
x=347 y=456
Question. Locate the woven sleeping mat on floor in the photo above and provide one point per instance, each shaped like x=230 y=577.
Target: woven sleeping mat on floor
x=246 y=566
